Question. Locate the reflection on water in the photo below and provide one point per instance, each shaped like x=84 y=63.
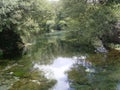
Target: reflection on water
x=103 y=73
x=98 y=72
x=118 y=86
x=57 y=71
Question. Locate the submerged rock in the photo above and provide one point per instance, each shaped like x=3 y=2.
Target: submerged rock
x=101 y=49
x=90 y=70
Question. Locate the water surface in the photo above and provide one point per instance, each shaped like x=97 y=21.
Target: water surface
x=52 y=59
x=57 y=70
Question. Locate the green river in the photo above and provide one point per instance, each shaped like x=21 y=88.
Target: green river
x=53 y=64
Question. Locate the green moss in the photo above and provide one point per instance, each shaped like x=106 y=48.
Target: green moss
x=78 y=76
x=27 y=84
x=19 y=73
x=112 y=58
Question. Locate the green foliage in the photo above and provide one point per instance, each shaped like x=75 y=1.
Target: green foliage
x=87 y=22
x=23 y=16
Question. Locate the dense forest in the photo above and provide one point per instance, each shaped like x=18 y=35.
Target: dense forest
x=85 y=22
x=45 y=29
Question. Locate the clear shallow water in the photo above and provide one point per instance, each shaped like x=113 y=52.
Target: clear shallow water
x=97 y=77
x=57 y=70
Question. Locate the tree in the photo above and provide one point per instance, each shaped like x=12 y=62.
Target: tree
x=88 y=22
x=24 y=19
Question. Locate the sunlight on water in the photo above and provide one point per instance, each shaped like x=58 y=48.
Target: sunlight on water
x=57 y=71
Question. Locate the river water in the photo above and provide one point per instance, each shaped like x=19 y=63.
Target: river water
x=52 y=64
x=57 y=70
